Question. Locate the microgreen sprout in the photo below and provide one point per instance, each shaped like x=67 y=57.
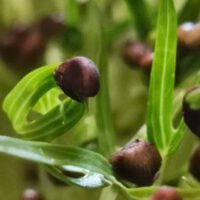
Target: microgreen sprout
x=64 y=116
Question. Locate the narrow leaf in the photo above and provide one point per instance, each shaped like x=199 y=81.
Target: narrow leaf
x=48 y=101
x=55 y=118
x=159 y=119
x=70 y=164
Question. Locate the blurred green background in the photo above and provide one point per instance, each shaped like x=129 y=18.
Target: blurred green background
x=34 y=33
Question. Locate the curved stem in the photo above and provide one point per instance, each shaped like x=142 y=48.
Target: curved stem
x=103 y=110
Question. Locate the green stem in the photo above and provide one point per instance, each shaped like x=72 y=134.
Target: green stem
x=175 y=165
x=103 y=110
x=162 y=171
x=72 y=12
x=140 y=11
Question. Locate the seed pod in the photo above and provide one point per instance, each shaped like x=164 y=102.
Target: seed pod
x=191 y=114
x=30 y=194
x=137 y=162
x=194 y=166
x=189 y=35
x=165 y=193
x=11 y=41
x=22 y=46
x=32 y=49
x=137 y=54
x=78 y=78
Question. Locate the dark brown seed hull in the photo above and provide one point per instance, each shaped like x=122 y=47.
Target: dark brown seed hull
x=137 y=162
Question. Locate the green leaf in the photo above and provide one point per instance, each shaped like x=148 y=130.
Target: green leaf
x=55 y=119
x=72 y=12
x=159 y=119
x=105 y=133
x=72 y=165
x=139 y=10
x=48 y=101
x=193 y=99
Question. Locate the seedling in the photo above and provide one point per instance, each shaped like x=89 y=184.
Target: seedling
x=52 y=99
